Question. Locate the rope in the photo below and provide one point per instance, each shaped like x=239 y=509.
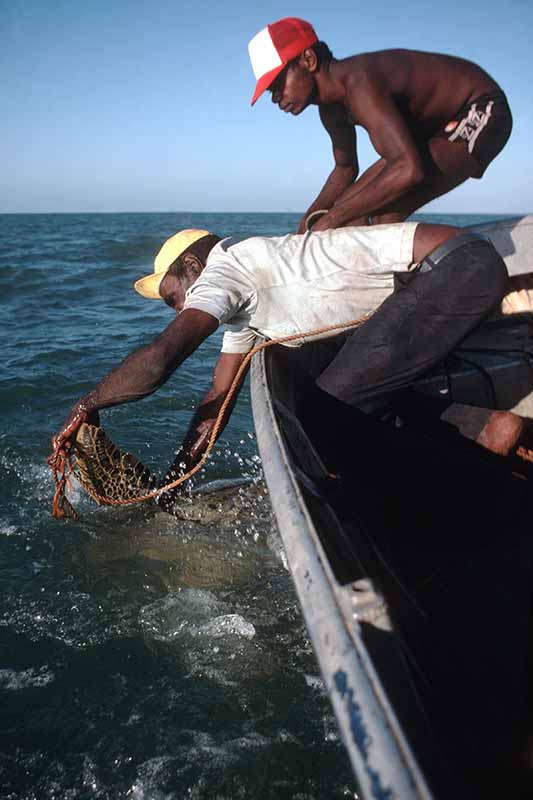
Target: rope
x=62 y=465
x=62 y=469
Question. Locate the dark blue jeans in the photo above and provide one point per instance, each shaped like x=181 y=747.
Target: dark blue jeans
x=431 y=310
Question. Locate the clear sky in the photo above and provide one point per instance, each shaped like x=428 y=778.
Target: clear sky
x=130 y=105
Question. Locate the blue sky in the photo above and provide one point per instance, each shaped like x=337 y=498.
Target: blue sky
x=137 y=106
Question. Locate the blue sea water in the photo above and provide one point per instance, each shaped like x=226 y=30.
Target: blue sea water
x=141 y=656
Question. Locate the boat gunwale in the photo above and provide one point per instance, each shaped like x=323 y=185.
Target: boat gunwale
x=381 y=757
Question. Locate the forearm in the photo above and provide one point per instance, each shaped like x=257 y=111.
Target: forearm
x=139 y=375
x=124 y=384
x=198 y=435
x=383 y=183
x=205 y=417
x=146 y=369
x=340 y=178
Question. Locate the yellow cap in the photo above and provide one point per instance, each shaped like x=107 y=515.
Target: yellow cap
x=173 y=247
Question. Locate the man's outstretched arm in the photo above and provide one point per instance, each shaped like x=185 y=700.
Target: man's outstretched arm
x=346 y=167
x=203 y=421
x=143 y=371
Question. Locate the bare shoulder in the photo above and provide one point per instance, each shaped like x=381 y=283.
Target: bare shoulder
x=363 y=63
x=365 y=71
x=365 y=81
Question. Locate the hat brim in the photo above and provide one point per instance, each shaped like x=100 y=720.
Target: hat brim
x=265 y=80
x=149 y=285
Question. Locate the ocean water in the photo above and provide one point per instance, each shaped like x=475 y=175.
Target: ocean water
x=141 y=656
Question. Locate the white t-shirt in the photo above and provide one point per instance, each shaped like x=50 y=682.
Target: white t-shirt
x=273 y=287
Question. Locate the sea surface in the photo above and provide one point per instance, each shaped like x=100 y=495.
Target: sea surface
x=141 y=656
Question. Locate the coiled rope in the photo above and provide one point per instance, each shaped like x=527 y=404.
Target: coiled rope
x=62 y=463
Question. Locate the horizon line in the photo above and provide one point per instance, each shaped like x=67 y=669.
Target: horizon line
x=296 y=213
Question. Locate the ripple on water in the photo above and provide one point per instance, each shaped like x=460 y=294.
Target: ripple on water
x=74 y=618
x=208 y=768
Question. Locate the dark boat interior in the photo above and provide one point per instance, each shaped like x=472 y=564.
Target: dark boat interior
x=443 y=529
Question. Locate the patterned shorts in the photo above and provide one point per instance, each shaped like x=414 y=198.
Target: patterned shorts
x=484 y=125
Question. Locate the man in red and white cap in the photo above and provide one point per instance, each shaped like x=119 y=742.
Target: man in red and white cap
x=434 y=120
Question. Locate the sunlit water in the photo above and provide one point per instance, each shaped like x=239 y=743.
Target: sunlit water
x=141 y=656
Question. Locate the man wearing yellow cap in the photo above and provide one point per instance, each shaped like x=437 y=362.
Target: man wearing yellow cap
x=431 y=285
x=434 y=120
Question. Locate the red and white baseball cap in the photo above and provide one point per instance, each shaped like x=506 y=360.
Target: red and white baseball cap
x=272 y=48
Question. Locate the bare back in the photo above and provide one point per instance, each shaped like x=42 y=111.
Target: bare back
x=429 y=88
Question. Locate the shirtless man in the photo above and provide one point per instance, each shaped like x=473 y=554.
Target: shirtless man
x=434 y=120
x=271 y=287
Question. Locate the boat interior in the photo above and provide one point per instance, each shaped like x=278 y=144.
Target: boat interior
x=442 y=528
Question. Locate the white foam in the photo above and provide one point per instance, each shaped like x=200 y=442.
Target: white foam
x=14 y=681
x=227 y=625
x=315 y=682
x=179 y=614
x=192 y=613
x=9 y=530
x=275 y=545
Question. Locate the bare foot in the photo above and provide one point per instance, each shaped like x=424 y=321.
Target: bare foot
x=501 y=432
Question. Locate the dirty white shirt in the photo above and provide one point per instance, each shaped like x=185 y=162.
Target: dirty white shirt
x=271 y=287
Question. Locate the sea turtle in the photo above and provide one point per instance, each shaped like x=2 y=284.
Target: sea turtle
x=107 y=474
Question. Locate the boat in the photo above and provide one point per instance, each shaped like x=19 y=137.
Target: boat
x=409 y=547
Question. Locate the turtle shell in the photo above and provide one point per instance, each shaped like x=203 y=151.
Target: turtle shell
x=104 y=471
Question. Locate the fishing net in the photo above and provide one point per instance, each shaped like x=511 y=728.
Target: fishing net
x=105 y=471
